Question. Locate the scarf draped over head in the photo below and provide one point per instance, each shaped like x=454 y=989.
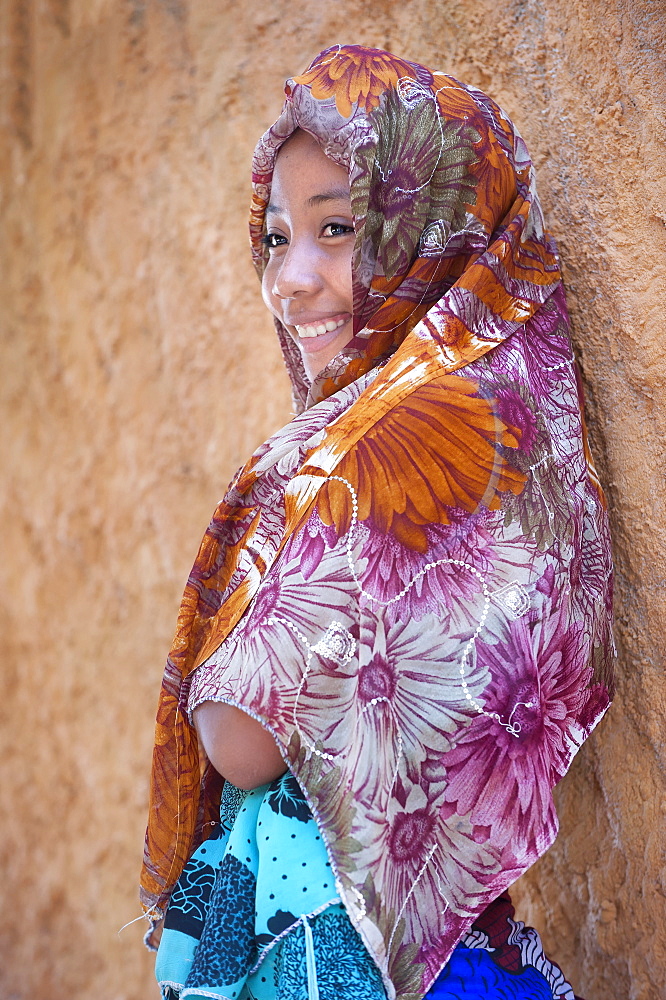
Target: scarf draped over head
x=410 y=584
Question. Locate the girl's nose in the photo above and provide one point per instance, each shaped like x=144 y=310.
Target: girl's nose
x=298 y=271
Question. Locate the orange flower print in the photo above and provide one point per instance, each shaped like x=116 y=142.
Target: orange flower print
x=435 y=450
x=355 y=75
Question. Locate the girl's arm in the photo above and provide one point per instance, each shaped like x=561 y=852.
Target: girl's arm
x=237 y=745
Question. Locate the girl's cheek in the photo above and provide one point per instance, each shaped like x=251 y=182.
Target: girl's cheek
x=266 y=288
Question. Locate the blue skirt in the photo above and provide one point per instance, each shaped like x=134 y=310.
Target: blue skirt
x=256 y=916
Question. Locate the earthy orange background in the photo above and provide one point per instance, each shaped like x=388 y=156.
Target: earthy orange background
x=138 y=369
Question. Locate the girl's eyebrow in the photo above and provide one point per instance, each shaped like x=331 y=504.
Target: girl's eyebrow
x=335 y=194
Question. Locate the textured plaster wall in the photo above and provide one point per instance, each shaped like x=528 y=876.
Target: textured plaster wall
x=137 y=370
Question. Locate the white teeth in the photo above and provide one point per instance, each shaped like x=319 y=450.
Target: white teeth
x=316 y=329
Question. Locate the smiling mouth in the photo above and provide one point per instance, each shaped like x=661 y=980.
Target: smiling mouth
x=317 y=329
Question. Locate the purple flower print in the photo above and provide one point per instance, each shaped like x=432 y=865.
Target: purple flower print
x=515 y=412
x=447 y=589
x=501 y=775
x=376 y=679
x=416 y=848
x=403 y=671
x=313 y=540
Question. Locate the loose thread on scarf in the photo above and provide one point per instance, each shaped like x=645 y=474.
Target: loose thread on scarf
x=142 y=916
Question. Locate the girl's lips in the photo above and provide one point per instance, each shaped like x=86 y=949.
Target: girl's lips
x=321 y=326
x=314 y=336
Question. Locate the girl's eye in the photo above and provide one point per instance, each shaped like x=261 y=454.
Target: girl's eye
x=337 y=229
x=273 y=240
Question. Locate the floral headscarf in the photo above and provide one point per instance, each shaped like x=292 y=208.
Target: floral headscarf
x=410 y=584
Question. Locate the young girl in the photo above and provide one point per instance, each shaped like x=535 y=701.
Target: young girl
x=397 y=631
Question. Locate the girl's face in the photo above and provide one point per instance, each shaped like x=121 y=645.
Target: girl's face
x=307 y=283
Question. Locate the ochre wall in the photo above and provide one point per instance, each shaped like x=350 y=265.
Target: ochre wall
x=138 y=369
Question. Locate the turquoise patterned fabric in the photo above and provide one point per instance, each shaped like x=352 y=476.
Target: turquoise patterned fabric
x=256 y=916
x=246 y=886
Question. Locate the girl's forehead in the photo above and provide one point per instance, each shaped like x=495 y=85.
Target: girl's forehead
x=303 y=171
